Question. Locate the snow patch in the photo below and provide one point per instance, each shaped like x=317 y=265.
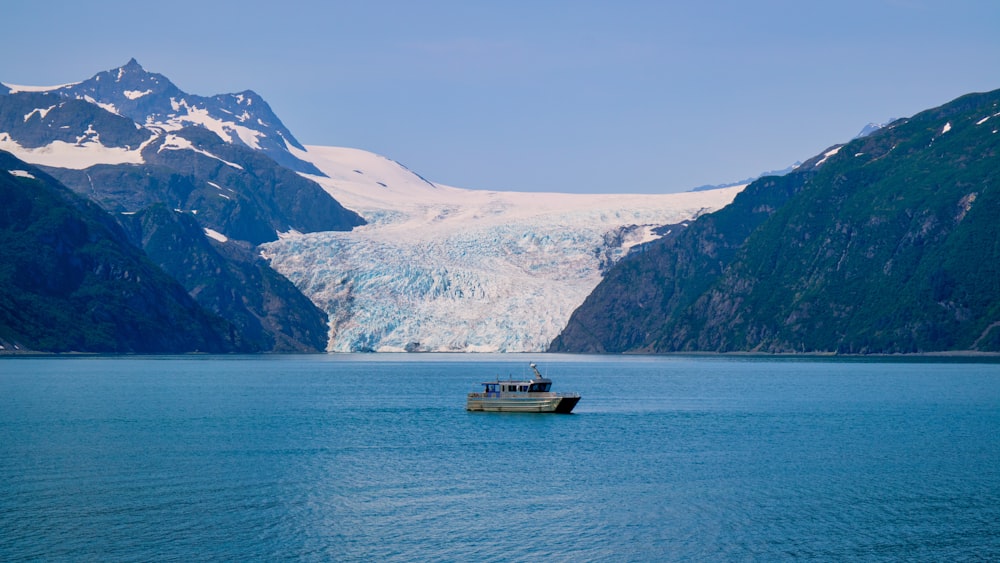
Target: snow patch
x=216 y=235
x=136 y=94
x=228 y=131
x=21 y=174
x=41 y=113
x=105 y=106
x=828 y=154
x=15 y=88
x=985 y=119
x=90 y=134
x=76 y=156
x=176 y=143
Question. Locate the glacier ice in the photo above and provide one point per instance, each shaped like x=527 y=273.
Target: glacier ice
x=446 y=269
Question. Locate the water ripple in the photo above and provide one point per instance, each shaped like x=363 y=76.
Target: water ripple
x=320 y=460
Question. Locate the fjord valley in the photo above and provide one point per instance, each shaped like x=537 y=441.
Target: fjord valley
x=220 y=196
x=143 y=219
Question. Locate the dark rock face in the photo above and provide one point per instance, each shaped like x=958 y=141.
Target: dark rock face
x=231 y=280
x=37 y=119
x=238 y=192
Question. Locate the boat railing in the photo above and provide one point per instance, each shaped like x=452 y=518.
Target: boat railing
x=529 y=394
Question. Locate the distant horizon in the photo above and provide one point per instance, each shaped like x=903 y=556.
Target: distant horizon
x=572 y=97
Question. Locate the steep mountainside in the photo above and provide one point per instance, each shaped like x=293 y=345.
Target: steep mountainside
x=134 y=143
x=227 y=158
x=230 y=279
x=70 y=280
x=888 y=244
x=231 y=189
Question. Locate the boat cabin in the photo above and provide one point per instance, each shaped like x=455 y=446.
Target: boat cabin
x=511 y=386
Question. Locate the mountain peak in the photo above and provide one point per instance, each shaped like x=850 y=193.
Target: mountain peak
x=110 y=84
x=132 y=66
x=132 y=71
x=873 y=127
x=151 y=99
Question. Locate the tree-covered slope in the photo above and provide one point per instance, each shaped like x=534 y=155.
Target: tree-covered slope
x=71 y=281
x=888 y=245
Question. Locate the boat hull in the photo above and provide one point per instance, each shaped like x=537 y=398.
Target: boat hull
x=558 y=404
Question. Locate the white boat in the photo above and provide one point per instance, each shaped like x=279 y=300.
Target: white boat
x=531 y=395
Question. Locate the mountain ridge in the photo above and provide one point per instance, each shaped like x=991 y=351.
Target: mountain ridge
x=153 y=102
x=170 y=177
x=404 y=264
x=885 y=244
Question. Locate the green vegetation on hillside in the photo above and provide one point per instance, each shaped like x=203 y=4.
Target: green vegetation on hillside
x=70 y=281
x=890 y=245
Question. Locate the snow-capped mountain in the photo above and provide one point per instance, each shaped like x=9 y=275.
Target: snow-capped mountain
x=445 y=269
x=435 y=269
x=192 y=187
x=196 y=154
x=155 y=105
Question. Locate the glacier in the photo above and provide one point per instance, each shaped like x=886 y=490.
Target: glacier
x=444 y=269
x=436 y=268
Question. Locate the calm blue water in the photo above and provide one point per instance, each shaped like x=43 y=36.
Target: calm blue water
x=351 y=458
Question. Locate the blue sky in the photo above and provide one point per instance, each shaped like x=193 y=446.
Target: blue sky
x=570 y=96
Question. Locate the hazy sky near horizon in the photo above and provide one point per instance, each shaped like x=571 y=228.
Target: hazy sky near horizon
x=569 y=96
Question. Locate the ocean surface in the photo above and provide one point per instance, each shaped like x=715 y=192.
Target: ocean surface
x=373 y=458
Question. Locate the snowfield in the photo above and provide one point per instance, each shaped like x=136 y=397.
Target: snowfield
x=447 y=269
x=84 y=154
